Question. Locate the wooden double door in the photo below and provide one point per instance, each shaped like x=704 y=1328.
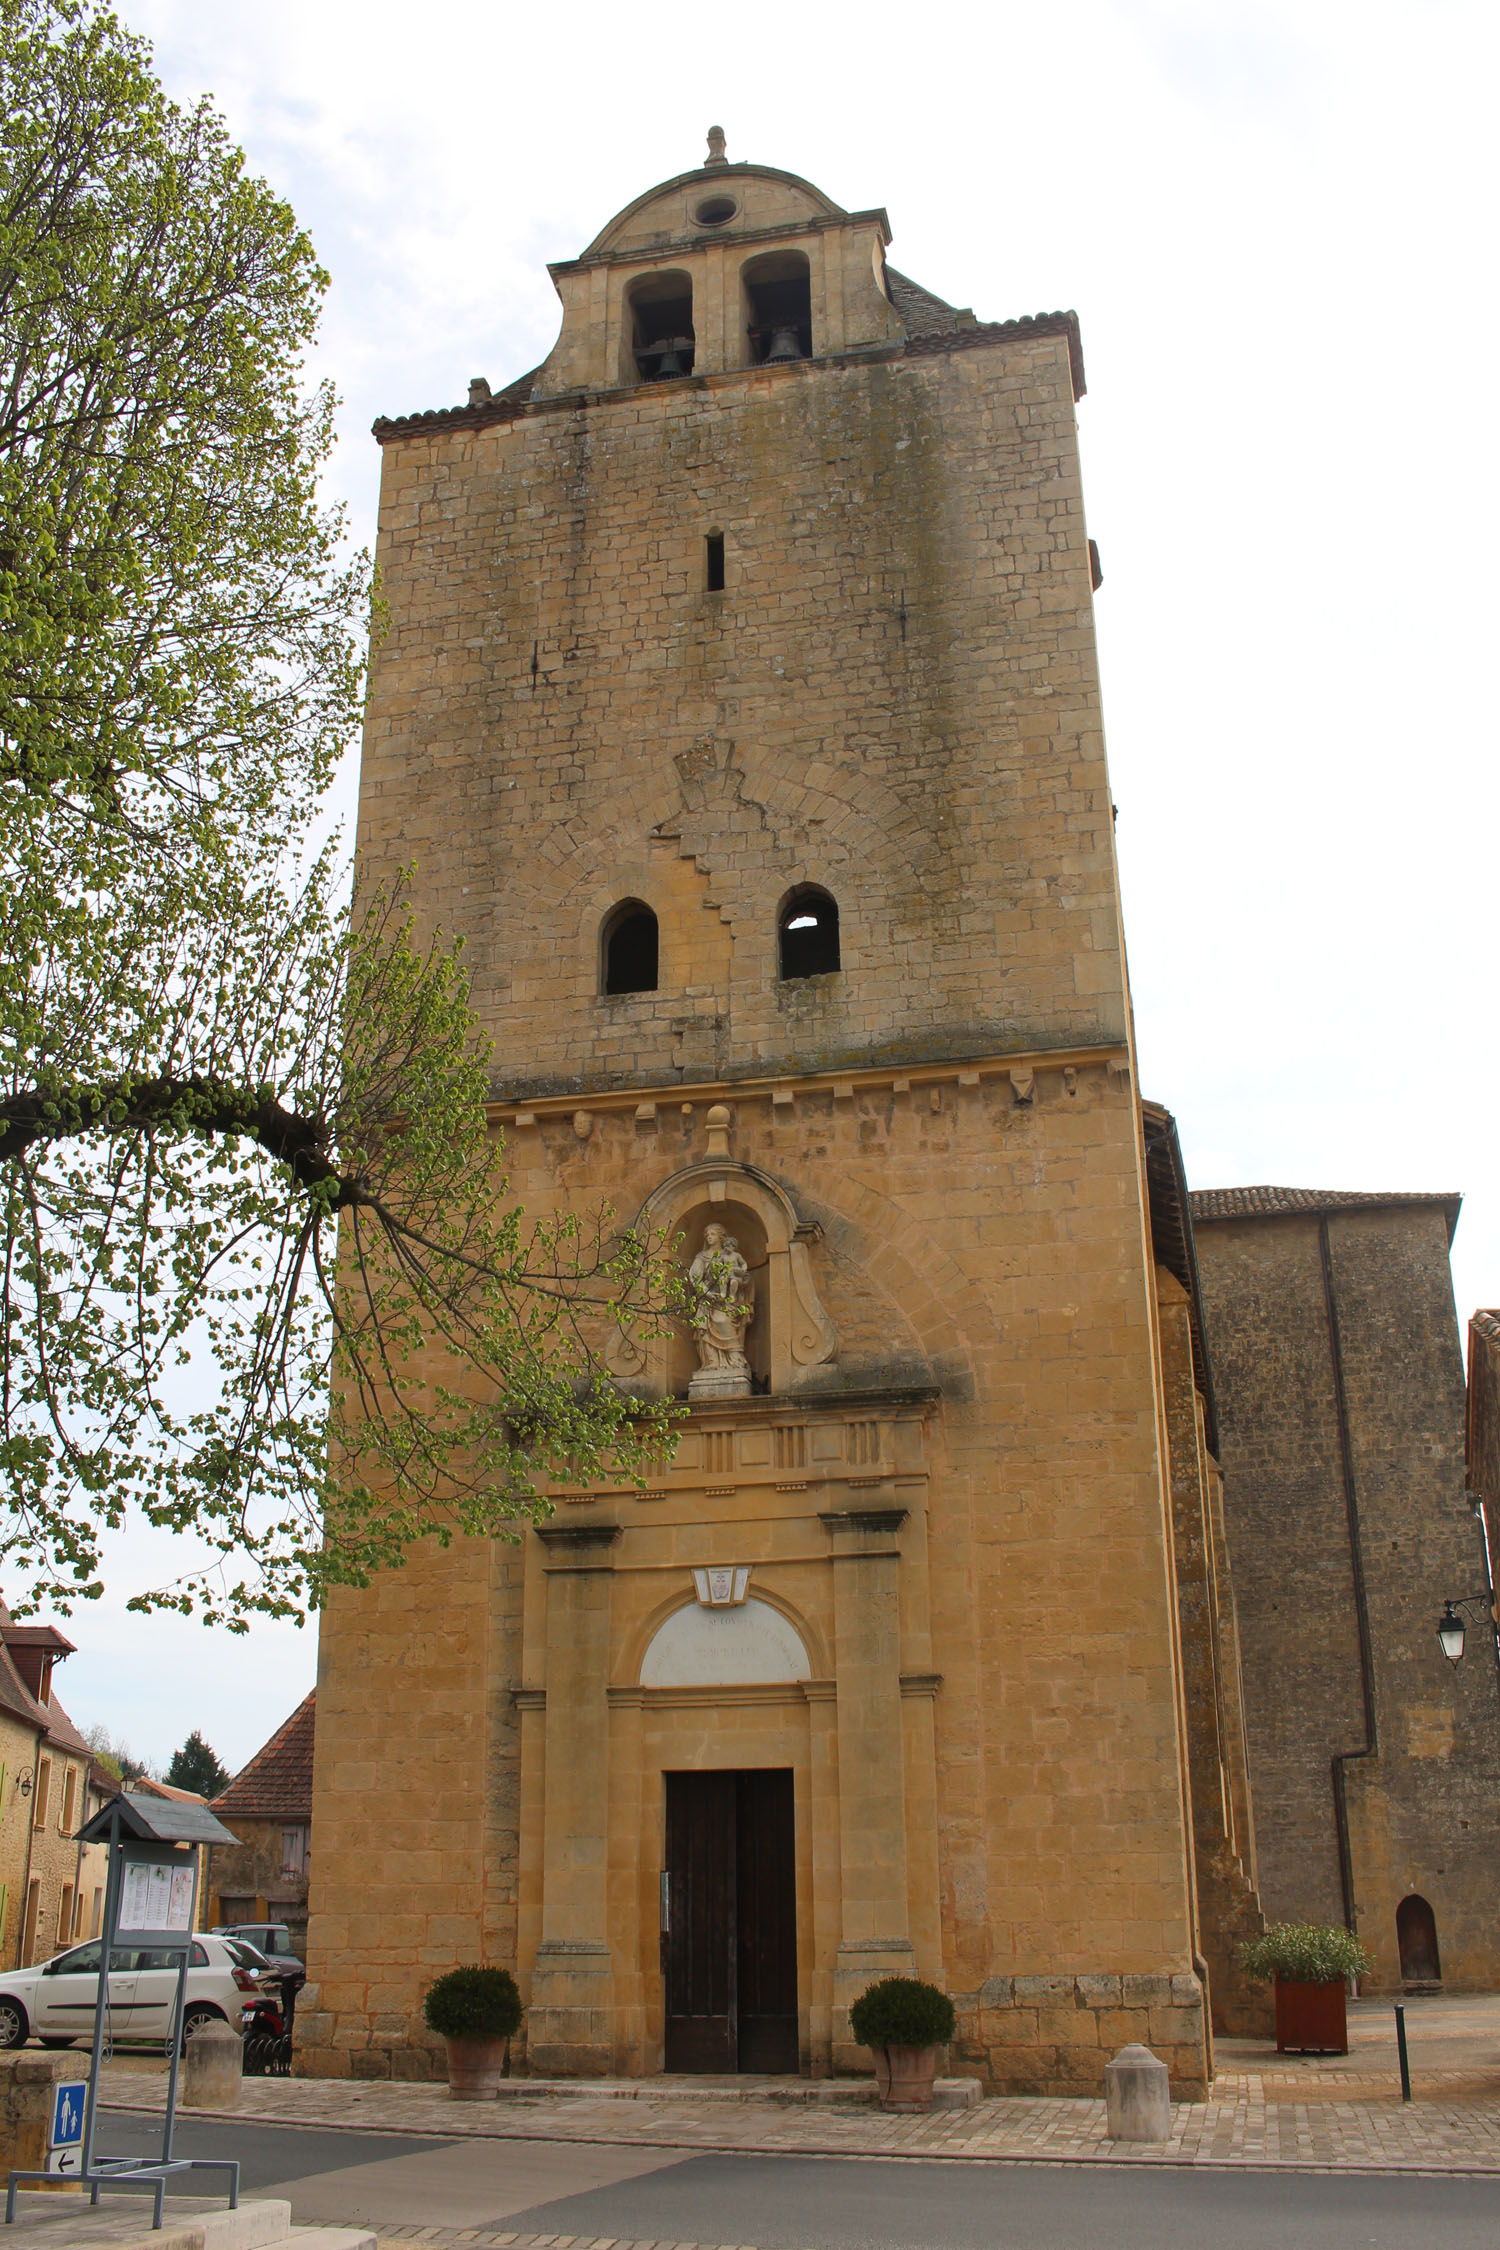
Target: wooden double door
x=729 y=1922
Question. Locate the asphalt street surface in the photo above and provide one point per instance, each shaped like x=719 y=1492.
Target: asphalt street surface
x=817 y=2203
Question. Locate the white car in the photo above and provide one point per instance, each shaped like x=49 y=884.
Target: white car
x=56 y=2000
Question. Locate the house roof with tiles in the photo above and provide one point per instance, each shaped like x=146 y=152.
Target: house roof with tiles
x=1209 y=1204
x=277 y=1783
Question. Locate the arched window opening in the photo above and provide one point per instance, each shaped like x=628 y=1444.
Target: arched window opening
x=809 y=935
x=1416 y=1941
x=630 y=949
x=778 y=307
x=660 y=314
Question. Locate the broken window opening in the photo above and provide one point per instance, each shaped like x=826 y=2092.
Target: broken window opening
x=809 y=935
x=778 y=308
x=714 y=555
x=659 y=309
x=630 y=949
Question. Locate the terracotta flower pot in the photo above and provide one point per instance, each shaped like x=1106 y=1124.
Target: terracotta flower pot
x=475 y=2068
x=905 y=2075
x=1311 y=2019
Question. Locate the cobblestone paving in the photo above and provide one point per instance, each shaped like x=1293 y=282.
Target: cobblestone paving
x=1252 y=2118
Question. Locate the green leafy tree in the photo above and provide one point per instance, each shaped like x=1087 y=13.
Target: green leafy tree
x=262 y=1279
x=195 y=1767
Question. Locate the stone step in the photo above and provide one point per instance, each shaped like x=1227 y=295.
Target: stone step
x=329 y=2238
x=54 y=2222
x=856 y=2093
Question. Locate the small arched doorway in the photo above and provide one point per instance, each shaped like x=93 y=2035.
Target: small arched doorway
x=1416 y=1940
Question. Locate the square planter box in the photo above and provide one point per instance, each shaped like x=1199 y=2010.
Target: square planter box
x=1311 y=2019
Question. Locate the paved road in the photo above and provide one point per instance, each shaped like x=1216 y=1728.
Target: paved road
x=812 y=2203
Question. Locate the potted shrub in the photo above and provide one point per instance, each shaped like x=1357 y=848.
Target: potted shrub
x=1311 y=1963
x=476 y=2011
x=905 y=2023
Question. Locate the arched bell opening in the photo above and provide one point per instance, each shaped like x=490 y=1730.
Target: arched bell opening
x=1417 y=1943
x=807 y=933
x=629 y=949
x=778 y=307
x=658 y=327
x=743 y=1227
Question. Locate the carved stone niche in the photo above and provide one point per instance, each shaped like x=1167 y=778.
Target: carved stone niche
x=790 y=1336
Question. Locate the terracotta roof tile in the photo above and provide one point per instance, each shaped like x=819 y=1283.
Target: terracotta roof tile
x=16 y=1697
x=61 y=1730
x=1209 y=1204
x=277 y=1783
x=144 y=1782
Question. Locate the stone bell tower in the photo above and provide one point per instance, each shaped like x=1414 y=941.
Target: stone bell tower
x=740 y=705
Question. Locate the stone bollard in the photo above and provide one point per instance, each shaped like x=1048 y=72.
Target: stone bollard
x=212 y=2060
x=1137 y=2097
x=26 y=2083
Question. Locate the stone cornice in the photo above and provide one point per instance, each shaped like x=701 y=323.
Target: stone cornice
x=901 y=1078
x=992 y=334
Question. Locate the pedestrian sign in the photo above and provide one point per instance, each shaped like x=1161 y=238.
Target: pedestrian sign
x=68 y=2099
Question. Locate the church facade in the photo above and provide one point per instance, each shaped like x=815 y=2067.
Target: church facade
x=739 y=704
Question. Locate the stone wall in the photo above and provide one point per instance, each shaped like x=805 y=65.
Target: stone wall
x=1039 y=1820
x=961 y=1504
x=894 y=697
x=1327 y=1529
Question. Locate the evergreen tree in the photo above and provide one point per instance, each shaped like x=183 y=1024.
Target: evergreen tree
x=194 y=1766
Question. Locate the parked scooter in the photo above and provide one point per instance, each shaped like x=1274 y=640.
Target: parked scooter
x=262 y=2017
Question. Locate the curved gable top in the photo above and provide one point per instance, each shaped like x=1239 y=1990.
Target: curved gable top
x=765 y=198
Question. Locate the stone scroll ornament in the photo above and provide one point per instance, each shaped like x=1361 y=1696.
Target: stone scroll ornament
x=722 y=1300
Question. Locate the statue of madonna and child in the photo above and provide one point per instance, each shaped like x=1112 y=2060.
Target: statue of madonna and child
x=722 y=1297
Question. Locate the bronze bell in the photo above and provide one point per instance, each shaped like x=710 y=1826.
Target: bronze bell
x=672 y=349
x=784 y=344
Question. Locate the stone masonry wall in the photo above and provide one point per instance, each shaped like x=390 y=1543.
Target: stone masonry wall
x=1037 y=1598
x=1424 y=1810
x=893 y=697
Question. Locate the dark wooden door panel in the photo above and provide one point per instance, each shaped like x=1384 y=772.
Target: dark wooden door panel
x=699 y=1942
x=766 y=1887
x=729 y=1947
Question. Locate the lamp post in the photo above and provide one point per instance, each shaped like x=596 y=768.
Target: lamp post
x=1451 y=1629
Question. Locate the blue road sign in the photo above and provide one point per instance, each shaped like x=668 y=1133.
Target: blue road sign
x=68 y=2098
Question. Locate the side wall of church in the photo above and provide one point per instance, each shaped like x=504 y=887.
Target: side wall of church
x=1422 y=1813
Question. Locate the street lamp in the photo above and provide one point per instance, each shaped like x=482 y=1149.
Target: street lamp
x=1451 y=1628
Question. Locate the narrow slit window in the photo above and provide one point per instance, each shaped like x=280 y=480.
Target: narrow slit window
x=809 y=935
x=630 y=950
x=714 y=551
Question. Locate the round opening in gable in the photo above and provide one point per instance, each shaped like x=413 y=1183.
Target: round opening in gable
x=716 y=211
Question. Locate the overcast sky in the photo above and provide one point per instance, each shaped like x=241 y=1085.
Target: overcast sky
x=1276 y=224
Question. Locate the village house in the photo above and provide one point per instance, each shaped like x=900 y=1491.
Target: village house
x=268 y=1805
x=51 y=1887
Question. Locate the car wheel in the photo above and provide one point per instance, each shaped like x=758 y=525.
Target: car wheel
x=197 y=2017
x=13 y=2025
x=58 y=2042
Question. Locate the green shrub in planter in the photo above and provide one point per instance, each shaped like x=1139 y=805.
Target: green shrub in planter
x=474 y=2004
x=902 y=2012
x=1304 y=1953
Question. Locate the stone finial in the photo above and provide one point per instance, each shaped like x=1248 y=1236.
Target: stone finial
x=718 y=1121
x=715 y=147
x=480 y=393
